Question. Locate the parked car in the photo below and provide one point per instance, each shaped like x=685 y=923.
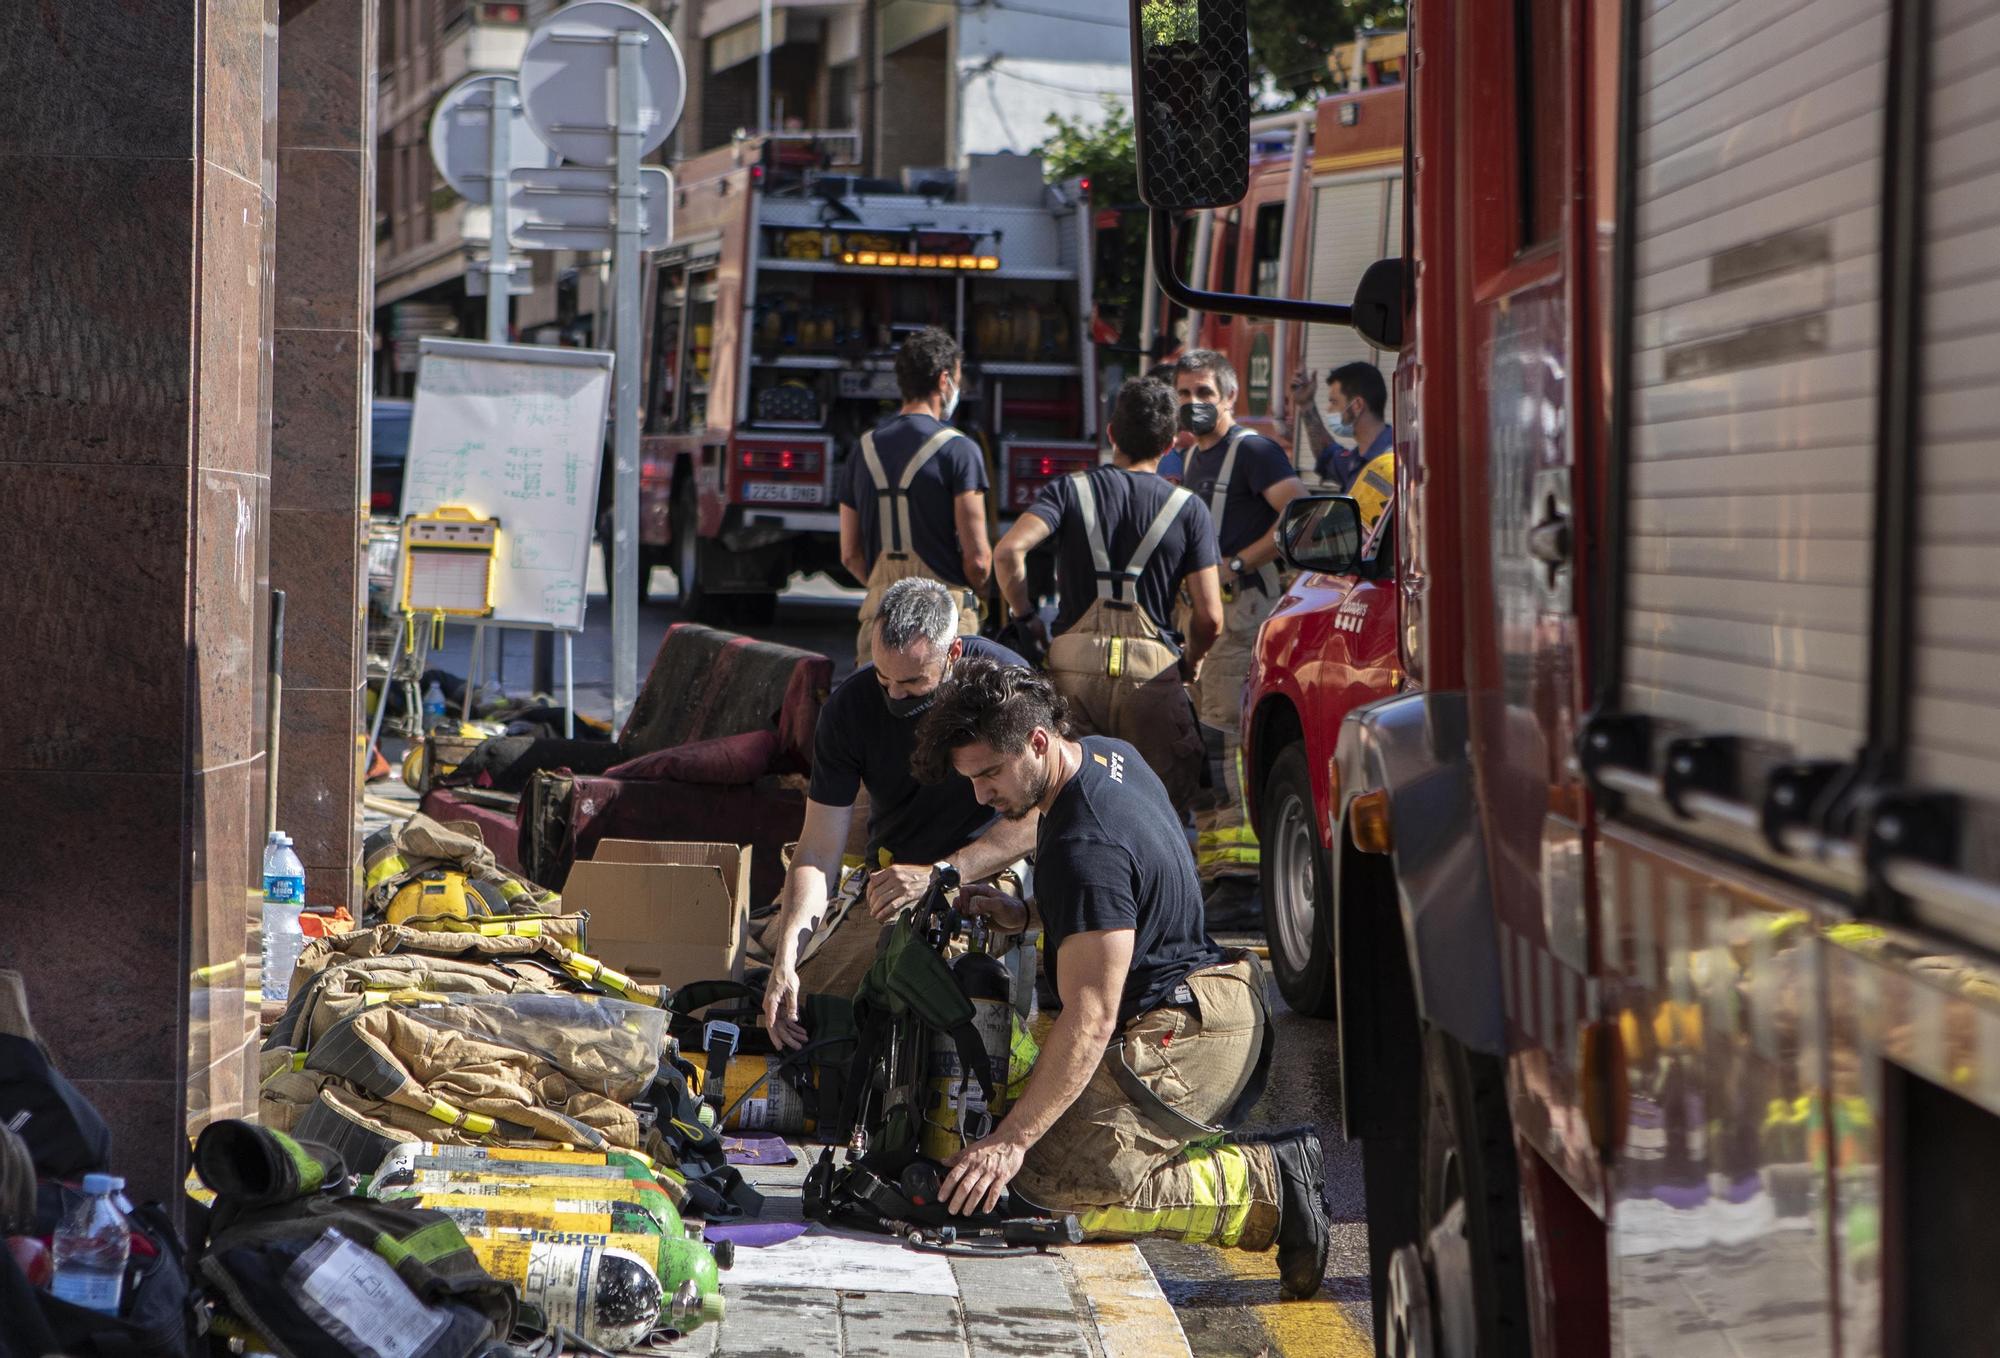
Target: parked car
x=389 y=449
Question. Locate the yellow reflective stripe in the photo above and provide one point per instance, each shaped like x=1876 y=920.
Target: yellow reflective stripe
x=1218 y=1186
x=1114 y=664
x=298 y=1060
x=383 y=868
x=512 y=890
x=478 y=1124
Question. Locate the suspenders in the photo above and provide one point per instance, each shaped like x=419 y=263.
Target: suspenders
x=893 y=502
x=1117 y=586
x=1218 y=500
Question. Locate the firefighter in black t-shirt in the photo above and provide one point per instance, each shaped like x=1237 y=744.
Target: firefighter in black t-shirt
x=1127 y=543
x=915 y=498
x=1110 y=1125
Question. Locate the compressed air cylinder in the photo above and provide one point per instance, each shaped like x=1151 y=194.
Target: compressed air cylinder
x=483 y=1211
x=774 y=1107
x=608 y=1296
x=677 y=1261
x=470 y=1183
x=956 y=1110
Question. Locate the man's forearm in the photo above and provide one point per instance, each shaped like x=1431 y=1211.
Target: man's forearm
x=1201 y=639
x=1006 y=843
x=1264 y=549
x=1318 y=436
x=1068 y=1059
x=802 y=906
x=1012 y=569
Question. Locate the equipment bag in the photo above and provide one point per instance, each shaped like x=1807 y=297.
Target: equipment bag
x=65 y=1135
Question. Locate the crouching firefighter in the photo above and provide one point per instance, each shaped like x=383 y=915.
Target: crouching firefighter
x=915 y=500
x=1116 y=660
x=1163 y=1039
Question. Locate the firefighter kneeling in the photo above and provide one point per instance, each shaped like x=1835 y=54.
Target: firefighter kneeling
x=1116 y=659
x=1162 y=1035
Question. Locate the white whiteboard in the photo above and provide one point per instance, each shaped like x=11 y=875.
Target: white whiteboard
x=516 y=433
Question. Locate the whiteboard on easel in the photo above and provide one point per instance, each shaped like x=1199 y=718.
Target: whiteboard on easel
x=515 y=432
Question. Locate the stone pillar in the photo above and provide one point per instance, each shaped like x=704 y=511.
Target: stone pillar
x=134 y=470
x=319 y=474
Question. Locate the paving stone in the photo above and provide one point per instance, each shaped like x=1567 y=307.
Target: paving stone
x=1020 y=1308
x=769 y=1322
x=900 y=1325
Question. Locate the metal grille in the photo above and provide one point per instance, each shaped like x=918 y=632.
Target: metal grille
x=1193 y=103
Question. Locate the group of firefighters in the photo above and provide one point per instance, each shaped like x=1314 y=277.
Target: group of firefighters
x=972 y=757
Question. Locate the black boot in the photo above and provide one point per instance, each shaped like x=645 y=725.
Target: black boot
x=1302 y=1222
x=1232 y=904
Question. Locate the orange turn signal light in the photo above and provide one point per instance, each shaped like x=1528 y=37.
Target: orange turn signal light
x=1368 y=822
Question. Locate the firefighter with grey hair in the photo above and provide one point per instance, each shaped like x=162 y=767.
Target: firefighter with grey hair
x=866 y=735
x=1246 y=480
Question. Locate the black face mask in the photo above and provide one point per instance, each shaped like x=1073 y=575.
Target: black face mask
x=917 y=703
x=1199 y=417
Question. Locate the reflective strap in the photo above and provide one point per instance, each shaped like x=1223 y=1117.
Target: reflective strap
x=1218 y=498
x=382 y=869
x=1114 y=658
x=892 y=503
x=1217 y=1180
x=478 y=1124
x=1118 y=586
x=436 y=1241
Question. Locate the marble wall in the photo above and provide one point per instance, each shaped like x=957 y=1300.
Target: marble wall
x=151 y=280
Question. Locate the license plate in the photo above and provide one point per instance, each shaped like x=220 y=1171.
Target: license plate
x=780 y=492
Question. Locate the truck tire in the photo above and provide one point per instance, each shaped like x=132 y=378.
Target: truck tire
x=697 y=604
x=1296 y=887
x=1459 y=1287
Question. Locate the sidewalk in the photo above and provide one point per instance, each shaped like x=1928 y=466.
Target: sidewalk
x=841 y=1294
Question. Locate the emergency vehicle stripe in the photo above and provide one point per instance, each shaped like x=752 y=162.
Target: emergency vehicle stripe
x=1113 y=584
x=892 y=502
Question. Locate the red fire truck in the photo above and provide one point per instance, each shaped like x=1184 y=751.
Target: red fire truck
x=776 y=314
x=1665 y=900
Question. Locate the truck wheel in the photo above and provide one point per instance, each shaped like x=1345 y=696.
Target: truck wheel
x=1298 y=907
x=697 y=604
x=1458 y=1290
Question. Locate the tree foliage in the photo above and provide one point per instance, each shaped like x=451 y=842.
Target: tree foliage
x=1289 y=41
x=1105 y=152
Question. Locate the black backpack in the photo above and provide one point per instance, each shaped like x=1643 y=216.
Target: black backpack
x=64 y=1133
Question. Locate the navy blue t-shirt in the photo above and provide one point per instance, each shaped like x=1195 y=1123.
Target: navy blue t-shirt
x=1111 y=855
x=1246 y=514
x=1127 y=503
x=953 y=470
x=859 y=742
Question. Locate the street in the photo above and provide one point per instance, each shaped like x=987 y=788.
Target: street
x=1227 y=1300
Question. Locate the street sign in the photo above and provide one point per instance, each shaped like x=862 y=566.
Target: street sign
x=575 y=207
x=461 y=135
x=520 y=282
x=569 y=86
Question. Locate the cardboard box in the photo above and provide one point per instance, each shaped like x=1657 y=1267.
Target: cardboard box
x=665 y=914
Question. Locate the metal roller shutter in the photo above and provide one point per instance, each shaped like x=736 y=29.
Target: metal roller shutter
x=1955 y=665
x=1760 y=133
x=1349 y=234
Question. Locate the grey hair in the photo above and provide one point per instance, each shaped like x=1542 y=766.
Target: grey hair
x=917 y=607
x=1216 y=365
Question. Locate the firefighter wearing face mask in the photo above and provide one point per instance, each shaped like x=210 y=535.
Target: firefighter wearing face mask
x=915 y=499
x=1354 y=448
x=1246 y=480
x=865 y=737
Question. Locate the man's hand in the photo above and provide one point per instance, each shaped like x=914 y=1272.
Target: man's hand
x=1303 y=387
x=1009 y=915
x=1190 y=669
x=893 y=887
x=980 y=1174
x=781 y=1007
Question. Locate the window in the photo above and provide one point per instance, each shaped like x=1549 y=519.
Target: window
x=1225 y=280
x=1540 y=100
x=1267 y=247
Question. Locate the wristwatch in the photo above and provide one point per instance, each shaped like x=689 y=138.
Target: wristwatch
x=1236 y=565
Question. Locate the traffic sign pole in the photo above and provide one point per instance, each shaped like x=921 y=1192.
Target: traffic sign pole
x=499 y=160
x=625 y=501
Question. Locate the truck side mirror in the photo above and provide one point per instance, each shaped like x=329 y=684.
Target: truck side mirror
x=1378 y=305
x=1191 y=72
x=1322 y=533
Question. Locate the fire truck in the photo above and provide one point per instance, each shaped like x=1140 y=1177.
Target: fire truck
x=776 y=314
x=1323 y=203
x=1666 y=897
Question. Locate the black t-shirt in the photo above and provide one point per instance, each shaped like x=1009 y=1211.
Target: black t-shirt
x=858 y=742
x=1112 y=855
x=1127 y=503
x=1246 y=514
x=953 y=470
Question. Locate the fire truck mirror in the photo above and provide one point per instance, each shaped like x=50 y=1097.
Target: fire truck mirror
x=1191 y=102
x=1321 y=533
x=1378 y=305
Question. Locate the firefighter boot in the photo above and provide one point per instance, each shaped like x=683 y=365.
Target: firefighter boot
x=1302 y=1223
x=1232 y=904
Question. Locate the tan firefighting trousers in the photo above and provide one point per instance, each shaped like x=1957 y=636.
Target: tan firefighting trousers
x=1122 y=679
x=890 y=567
x=1226 y=843
x=1123 y=1175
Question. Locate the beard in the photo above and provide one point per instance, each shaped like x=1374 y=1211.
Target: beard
x=1038 y=788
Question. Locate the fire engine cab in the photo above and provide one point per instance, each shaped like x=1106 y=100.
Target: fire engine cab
x=776 y=314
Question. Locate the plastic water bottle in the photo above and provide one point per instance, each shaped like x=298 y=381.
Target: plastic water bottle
x=284 y=897
x=433 y=706
x=91 y=1247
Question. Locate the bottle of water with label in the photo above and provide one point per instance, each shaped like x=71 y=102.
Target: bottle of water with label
x=91 y=1247
x=284 y=897
x=434 y=707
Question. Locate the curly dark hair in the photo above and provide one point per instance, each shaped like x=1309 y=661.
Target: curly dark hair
x=1143 y=421
x=985 y=701
x=924 y=358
